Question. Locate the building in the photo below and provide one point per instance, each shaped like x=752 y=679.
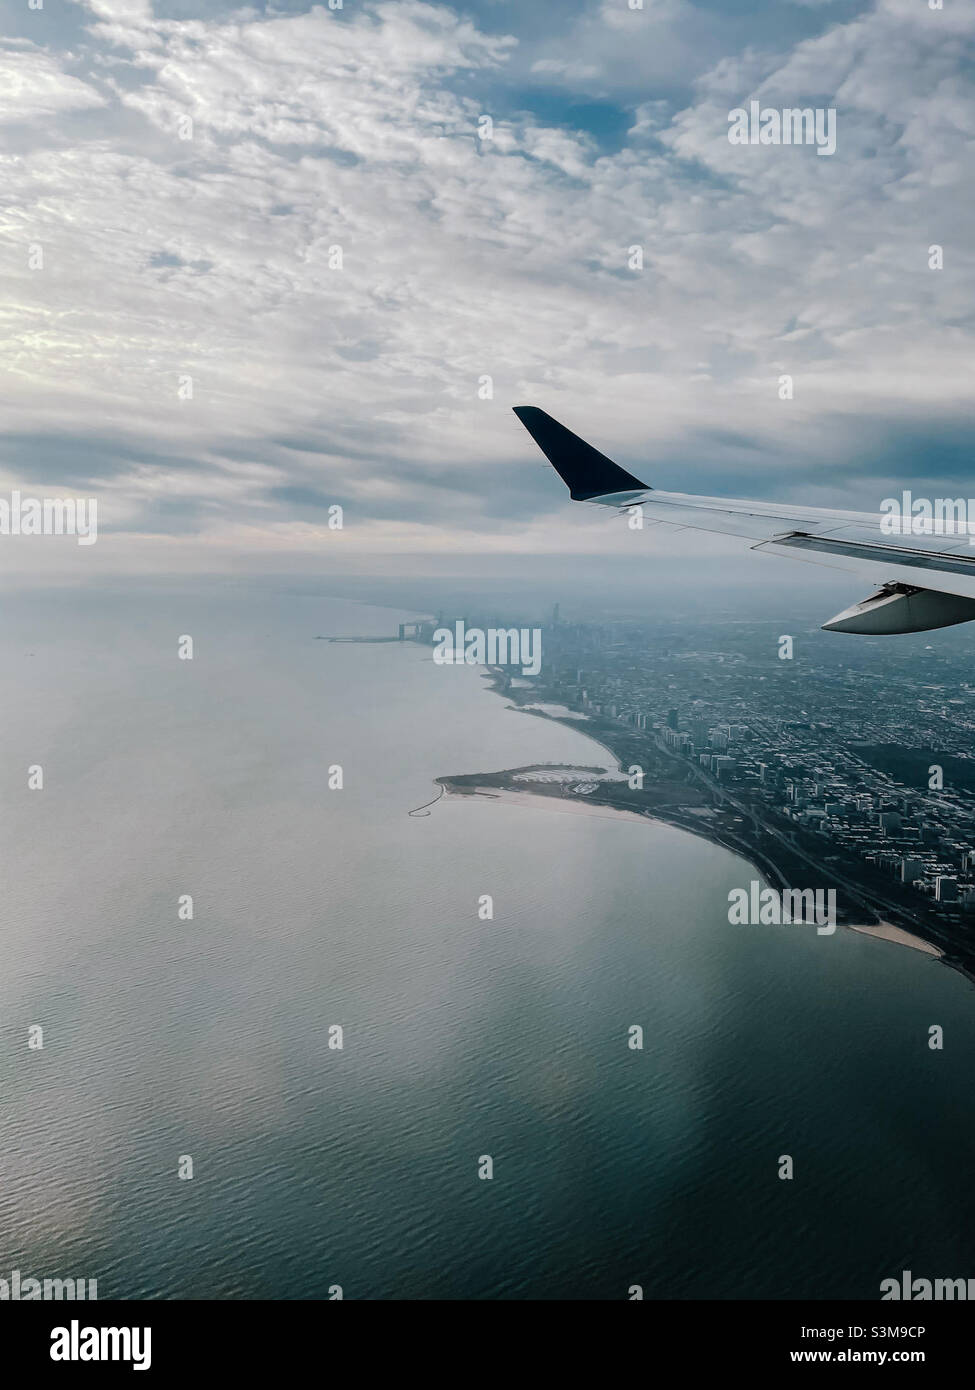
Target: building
x=945 y=889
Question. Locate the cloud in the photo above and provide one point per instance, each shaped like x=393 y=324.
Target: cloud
x=35 y=87
x=279 y=265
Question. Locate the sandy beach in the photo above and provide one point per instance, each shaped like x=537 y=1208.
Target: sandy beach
x=886 y=931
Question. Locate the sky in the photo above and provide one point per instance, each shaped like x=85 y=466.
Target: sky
x=180 y=182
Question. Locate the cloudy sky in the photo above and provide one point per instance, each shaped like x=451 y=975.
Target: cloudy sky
x=186 y=170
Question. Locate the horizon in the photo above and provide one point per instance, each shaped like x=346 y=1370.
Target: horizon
x=216 y=332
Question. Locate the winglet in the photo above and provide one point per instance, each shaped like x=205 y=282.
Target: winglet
x=585 y=471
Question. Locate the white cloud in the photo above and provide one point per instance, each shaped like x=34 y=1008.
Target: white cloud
x=36 y=87
x=210 y=258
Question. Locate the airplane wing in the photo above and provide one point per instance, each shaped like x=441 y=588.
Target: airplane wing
x=923 y=581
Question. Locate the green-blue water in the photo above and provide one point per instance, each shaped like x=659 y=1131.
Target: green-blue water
x=315 y=1167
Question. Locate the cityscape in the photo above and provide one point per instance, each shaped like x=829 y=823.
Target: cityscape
x=826 y=763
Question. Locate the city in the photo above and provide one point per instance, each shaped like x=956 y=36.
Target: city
x=826 y=763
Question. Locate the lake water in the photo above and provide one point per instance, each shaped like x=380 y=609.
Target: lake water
x=316 y=907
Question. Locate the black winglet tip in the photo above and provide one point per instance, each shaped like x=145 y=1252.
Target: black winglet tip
x=586 y=472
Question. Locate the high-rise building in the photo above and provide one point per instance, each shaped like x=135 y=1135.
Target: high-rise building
x=910 y=869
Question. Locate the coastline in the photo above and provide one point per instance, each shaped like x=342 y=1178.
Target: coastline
x=678 y=818
x=534 y=800
x=580 y=725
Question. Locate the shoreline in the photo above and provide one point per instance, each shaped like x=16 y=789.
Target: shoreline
x=763 y=863
x=578 y=724
x=879 y=931
x=897 y=936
